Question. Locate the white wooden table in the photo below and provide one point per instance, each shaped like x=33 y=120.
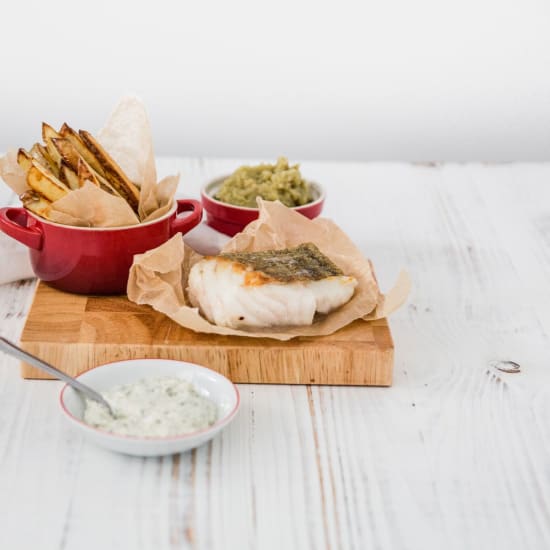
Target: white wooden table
x=455 y=455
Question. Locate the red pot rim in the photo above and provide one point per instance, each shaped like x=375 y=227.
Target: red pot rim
x=118 y=228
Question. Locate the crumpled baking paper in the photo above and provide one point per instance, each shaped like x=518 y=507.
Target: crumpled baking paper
x=159 y=277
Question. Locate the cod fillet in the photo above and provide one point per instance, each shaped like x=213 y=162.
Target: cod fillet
x=269 y=288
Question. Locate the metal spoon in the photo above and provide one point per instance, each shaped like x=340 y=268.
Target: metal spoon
x=11 y=349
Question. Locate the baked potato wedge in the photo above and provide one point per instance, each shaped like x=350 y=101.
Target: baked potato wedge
x=80 y=170
x=85 y=173
x=68 y=152
x=68 y=176
x=63 y=163
x=45 y=183
x=70 y=135
x=112 y=172
x=48 y=132
x=24 y=159
x=36 y=203
x=40 y=153
x=48 y=135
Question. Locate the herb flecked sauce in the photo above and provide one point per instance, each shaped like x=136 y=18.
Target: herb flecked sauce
x=152 y=407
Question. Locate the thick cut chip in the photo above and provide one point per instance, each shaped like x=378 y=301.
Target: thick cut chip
x=24 y=159
x=40 y=153
x=85 y=173
x=64 y=162
x=48 y=135
x=80 y=159
x=70 y=135
x=36 y=154
x=105 y=185
x=68 y=176
x=35 y=150
x=36 y=203
x=116 y=177
x=68 y=152
x=48 y=132
x=45 y=183
x=97 y=179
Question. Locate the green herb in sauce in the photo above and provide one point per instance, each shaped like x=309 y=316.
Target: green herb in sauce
x=152 y=407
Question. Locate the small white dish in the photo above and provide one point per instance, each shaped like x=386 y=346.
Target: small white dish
x=208 y=383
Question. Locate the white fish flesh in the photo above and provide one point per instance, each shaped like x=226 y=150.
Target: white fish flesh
x=270 y=288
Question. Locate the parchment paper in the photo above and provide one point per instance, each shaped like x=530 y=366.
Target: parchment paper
x=127 y=138
x=159 y=277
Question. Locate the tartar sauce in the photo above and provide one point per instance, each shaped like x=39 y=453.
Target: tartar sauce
x=152 y=407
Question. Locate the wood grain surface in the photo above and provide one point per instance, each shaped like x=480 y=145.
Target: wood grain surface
x=454 y=455
x=76 y=333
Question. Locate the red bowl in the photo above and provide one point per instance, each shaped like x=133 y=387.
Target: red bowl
x=231 y=219
x=92 y=260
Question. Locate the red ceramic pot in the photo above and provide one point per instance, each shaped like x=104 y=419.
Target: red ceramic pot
x=91 y=260
x=231 y=219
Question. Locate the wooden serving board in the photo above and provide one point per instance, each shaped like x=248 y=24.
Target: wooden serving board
x=76 y=333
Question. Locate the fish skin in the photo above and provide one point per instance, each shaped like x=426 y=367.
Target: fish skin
x=304 y=262
x=230 y=292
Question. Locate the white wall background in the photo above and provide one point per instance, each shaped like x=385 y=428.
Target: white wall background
x=372 y=80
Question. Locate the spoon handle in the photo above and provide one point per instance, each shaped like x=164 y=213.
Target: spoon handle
x=11 y=349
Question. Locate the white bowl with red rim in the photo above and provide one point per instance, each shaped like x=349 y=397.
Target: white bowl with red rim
x=207 y=382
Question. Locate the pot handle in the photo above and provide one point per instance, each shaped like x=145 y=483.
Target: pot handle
x=13 y=222
x=185 y=223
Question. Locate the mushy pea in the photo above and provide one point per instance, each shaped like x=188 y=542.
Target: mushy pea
x=271 y=182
